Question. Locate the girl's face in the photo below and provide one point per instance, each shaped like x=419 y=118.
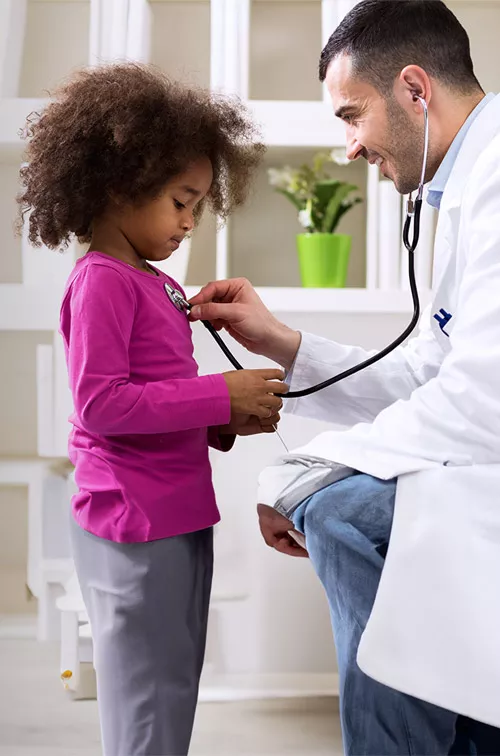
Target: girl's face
x=156 y=228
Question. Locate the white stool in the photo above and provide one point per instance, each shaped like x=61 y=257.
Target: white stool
x=76 y=667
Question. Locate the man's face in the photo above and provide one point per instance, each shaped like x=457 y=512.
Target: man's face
x=378 y=129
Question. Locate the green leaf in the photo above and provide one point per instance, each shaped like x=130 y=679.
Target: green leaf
x=299 y=204
x=344 y=208
x=333 y=214
x=324 y=192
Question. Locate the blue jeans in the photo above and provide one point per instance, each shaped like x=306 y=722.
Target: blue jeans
x=347 y=527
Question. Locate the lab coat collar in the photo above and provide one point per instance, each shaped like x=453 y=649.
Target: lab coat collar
x=482 y=131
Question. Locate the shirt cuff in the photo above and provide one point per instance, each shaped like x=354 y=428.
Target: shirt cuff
x=216 y=411
x=220 y=441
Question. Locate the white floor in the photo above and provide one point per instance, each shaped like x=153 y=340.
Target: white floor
x=37 y=719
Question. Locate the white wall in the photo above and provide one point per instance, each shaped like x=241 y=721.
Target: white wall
x=481 y=19
x=10 y=258
x=13 y=549
x=180 y=43
x=284 y=48
x=17 y=439
x=56 y=42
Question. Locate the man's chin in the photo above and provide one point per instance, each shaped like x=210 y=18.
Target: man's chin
x=404 y=186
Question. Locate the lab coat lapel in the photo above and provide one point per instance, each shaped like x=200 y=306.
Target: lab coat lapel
x=483 y=130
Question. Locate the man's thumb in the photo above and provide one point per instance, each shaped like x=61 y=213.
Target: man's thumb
x=214 y=311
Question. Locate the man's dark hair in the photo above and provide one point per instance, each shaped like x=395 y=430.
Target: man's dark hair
x=384 y=36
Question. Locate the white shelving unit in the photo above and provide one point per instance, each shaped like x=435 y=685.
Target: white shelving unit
x=123 y=29
x=68 y=33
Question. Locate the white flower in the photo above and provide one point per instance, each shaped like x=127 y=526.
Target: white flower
x=305 y=219
x=338 y=155
x=280 y=178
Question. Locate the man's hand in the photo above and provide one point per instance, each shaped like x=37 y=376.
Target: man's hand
x=250 y=425
x=236 y=306
x=274 y=528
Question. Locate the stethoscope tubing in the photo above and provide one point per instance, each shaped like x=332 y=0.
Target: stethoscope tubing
x=413 y=212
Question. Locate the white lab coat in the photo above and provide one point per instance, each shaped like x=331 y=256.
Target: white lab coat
x=430 y=415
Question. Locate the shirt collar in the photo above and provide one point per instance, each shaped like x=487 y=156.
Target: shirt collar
x=438 y=183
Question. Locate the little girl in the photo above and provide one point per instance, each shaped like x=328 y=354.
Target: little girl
x=125 y=160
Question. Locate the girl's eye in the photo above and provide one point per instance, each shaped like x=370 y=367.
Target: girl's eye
x=179 y=205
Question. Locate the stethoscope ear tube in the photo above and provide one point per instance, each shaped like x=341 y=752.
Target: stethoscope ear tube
x=413 y=212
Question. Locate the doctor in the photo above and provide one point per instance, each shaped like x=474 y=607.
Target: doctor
x=403 y=527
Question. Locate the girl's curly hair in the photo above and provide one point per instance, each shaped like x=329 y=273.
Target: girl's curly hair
x=121 y=132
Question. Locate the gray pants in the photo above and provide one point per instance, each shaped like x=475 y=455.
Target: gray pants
x=148 y=609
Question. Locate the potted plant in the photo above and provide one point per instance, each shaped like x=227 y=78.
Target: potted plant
x=321 y=201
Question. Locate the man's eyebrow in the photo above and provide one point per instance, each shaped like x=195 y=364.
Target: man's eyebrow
x=346 y=110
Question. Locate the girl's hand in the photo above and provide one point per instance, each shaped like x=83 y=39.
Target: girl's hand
x=250 y=425
x=252 y=392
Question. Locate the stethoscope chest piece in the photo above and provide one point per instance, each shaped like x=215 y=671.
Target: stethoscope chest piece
x=176 y=298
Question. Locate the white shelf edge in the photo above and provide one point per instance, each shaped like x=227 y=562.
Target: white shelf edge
x=307 y=123
x=36 y=308
x=296 y=123
x=349 y=301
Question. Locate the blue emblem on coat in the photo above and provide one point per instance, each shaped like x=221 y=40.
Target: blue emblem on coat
x=443 y=318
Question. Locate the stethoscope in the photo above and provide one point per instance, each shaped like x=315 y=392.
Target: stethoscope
x=413 y=211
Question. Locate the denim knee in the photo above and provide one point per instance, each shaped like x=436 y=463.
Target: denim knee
x=356 y=499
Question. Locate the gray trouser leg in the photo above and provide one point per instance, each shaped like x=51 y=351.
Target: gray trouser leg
x=148 y=609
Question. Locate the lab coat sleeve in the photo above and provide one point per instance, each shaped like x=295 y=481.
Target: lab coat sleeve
x=361 y=397
x=96 y=322
x=454 y=419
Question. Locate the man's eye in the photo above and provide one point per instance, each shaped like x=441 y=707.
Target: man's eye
x=179 y=205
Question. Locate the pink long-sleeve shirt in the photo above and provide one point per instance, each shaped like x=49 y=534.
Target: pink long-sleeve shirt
x=143 y=418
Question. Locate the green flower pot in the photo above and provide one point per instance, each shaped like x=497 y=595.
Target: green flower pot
x=323 y=260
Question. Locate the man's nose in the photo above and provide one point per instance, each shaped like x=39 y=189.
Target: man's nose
x=353 y=148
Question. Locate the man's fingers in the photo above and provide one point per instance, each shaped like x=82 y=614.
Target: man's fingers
x=206 y=294
x=277 y=387
x=273 y=404
x=288 y=546
x=269 y=537
x=217 y=311
x=224 y=291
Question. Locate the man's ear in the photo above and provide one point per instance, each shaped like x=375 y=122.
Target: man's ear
x=413 y=82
